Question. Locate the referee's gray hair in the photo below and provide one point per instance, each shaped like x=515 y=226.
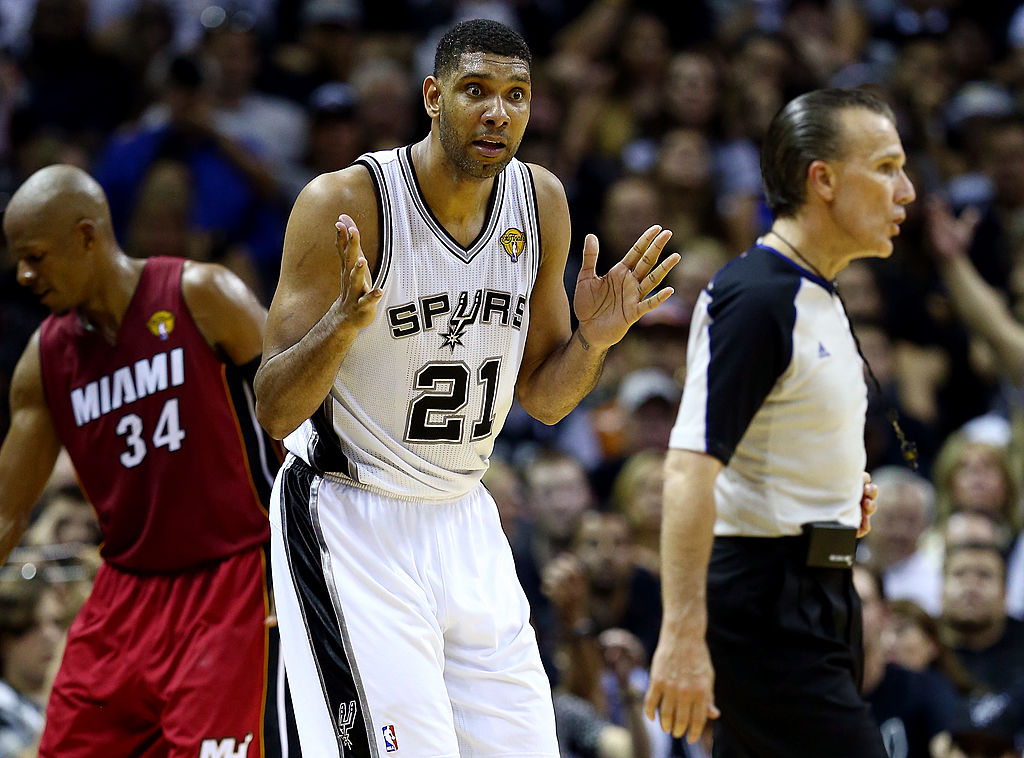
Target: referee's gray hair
x=890 y=478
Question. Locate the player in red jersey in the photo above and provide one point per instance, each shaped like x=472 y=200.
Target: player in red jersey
x=143 y=373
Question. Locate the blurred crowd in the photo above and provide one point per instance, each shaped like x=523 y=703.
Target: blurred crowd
x=203 y=119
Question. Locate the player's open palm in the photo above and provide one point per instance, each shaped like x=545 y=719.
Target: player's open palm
x=357 y=300
x=606 y=306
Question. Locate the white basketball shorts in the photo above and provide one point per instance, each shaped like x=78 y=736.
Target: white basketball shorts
x=403 y=625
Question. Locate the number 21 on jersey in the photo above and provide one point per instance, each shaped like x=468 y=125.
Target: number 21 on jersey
x=434 y=413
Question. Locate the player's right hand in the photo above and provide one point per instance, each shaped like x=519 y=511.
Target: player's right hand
x=681 y=690
x=357 y=299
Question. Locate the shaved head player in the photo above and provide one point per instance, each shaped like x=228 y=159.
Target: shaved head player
x=143 y=373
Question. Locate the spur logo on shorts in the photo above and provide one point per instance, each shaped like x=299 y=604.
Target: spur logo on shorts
x=346 y=720
x=225 y=748
x=390 y=740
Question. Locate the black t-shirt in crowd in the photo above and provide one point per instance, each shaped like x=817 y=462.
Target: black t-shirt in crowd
x=911 y=707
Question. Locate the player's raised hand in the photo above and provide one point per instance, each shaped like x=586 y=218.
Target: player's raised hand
x=606 y=306
x=357 y=299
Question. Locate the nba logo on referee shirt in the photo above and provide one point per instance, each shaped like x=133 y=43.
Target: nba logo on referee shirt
x=390 y=740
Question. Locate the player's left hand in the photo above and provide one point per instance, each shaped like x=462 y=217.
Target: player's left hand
x=867 y=505
x=606 y=306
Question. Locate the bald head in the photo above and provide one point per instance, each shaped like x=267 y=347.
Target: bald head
x=59 y=230
x=58 y=195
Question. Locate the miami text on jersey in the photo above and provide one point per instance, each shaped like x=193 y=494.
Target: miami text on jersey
x=128 y=384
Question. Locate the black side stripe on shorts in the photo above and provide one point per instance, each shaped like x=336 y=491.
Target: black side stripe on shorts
x=310 y=567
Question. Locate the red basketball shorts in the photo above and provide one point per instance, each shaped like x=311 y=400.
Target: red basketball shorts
x=165 y=665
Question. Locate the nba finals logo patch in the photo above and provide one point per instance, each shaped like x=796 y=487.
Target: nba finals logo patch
x=390 y=740
x=161 y=324
x=514 y=242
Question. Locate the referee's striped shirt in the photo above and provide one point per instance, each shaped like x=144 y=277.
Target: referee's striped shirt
x=775 y=390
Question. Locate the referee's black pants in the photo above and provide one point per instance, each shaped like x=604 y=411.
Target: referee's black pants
x=786 y=644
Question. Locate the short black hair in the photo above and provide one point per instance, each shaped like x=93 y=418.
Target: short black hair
x=980 y=547
x=478 y=35
x=805 y=130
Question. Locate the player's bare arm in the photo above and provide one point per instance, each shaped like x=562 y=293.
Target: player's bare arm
x=227 y=313
x=559 y=367
x=682 y=678
x=324 y=297
x=29 y=450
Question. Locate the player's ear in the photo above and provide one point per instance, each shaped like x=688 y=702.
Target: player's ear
x=432 y=96
x=86 y=233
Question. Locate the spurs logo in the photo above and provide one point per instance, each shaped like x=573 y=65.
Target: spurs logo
x=460 y=319
x=346 y=720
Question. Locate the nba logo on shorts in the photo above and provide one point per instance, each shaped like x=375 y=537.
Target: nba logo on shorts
x=390 y=740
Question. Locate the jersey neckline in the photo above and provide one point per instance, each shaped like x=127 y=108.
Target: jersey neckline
x=805 y=272
x=494 y=201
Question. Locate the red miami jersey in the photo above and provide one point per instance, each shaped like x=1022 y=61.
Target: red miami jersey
x=162 y=433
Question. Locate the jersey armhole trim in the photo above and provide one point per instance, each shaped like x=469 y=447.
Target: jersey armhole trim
x=384 y=216
x=533 y=209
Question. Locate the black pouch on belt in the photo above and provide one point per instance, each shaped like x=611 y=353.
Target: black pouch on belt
x=830 y=544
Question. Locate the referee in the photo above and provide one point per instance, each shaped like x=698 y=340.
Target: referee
x=765 y=490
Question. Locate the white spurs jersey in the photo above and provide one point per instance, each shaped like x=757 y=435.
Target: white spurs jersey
x=425 y=388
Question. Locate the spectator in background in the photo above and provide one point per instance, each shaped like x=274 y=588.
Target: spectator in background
x=135 y=40
x=974 y=528
x=612 y=675
x=906 y=508
x=983 y=727
x=694 y=272
x=913 y=640
x=636 y=494
x=598 y=585
x=558 y=493
x=65 y=518
x=321 y=44
x=69 y=81
x=388 y=102
x=630 y=203
x=640 y=418
x=974 y=620
x=274 y=128
x=692 y=92
x=976 y=476
x=685 y=174
x=232 y=192
x=336 y=134
x=32 y=627
x=910 y=706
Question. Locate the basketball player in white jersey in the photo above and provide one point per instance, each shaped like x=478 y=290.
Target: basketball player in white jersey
x=403 y=625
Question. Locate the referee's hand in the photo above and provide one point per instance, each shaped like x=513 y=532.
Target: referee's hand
x=682 y=685
x=868 y=505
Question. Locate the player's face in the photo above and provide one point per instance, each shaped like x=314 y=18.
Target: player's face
x=484 y=107
x=48 y=263
x=871 y=186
